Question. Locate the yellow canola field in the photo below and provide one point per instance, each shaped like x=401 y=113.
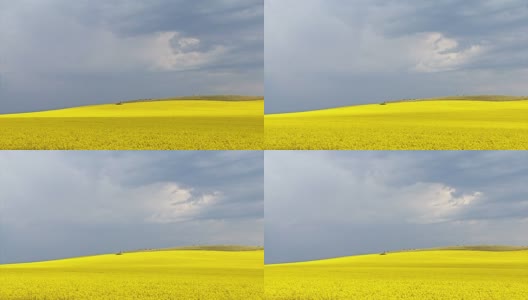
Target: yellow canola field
x=158 y=275
x=420 y=275
x=156 y=125
x=425 y=125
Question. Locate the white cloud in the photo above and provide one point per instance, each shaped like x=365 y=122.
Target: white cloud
x=162 y=55
x=361 y=191
x=436 y=202
x=331 y=42
x=436 y=52
x=172 y=203
x=93 y=198
x=106 y=201
x=69 y=45
x=421 y=202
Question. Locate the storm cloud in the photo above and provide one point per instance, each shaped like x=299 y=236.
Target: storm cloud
x=60 y=204
x=59 y=53
x=323 y=204
x=330 y=53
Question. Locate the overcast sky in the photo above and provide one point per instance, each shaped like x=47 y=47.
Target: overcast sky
x=60 y=204
x=59 y=53
x=322 y=204
x=327 y=53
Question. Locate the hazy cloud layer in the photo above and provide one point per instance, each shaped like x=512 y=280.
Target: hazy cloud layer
x=56 y=204
x=57 y=53
x=335 y=203
x=328 y=53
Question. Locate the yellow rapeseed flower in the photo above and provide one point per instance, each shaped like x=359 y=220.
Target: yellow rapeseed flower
x=420 y=275
x=418 y=125
x=157 y=275
x=156 y=125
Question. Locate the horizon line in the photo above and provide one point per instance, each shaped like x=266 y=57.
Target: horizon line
x=405 y=100
x=211 y=97
x=483 y=248
x=204 y=247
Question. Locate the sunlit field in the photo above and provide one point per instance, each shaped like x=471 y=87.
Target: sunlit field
x=436 y=274
x=442 y=124
x=156 y=275
x=158 y=125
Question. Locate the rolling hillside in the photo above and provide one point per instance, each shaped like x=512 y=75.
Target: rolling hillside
x=453 y=273
x=161 y=125
x=471 y=123
x=174 y=274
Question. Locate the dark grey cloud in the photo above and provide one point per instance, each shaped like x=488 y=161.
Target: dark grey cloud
x=58 y=53
x=101 y=202
x=331 y=53
x=472 y=19
x=334 y=203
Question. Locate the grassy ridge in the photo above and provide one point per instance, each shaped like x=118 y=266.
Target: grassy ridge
x=207 y=248
x=410 y=125
x=471 y=248
x=179 y=274
x=450 y=273
x=467 y=98
x=204 y=98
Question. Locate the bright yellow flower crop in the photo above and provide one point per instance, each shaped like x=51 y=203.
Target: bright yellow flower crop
x=425 y=125
x=420 y=275
x=156 y=125
x=158 y=275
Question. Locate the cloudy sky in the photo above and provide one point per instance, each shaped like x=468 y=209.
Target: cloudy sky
x=322 y=204
x=61 y=204
x=59 y=53
x=327 y=53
